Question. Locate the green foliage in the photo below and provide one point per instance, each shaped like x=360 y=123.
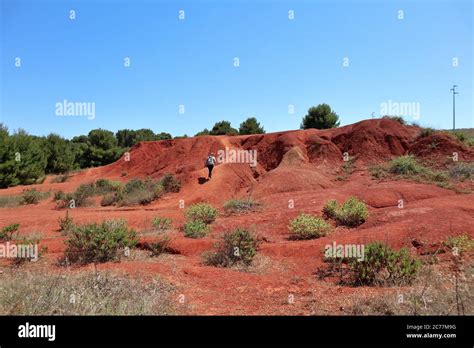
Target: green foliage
x=425 y=132
x=195 y=229
x=160 y=245
x=352 y=213
x=162 y=224
x=399 y=119
x=250 y=126
x=320 y=117
x=201 y=211
x=223 y=128
x=330 y=209
x=66 y=224
x=9 y=232
x=405 y=165
x=239 y=206
x=60 y=155
x=32 y=196
x=460 y=244
x=96 y=243
x=170 y=183
x=82 y=193
x=382 y=265
x=138 y=191
x=308 y=227
x=109 y=199
x=127 y=138
x=205 y=131
x=60 y=178
x=236 y=247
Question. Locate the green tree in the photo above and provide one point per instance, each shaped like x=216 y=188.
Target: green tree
x=223 y=128
x=60 y=156
x=205 y=131
x=320 y=117
x=102 y=148
x=251 y=126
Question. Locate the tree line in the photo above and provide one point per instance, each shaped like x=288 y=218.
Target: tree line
x=26 y=159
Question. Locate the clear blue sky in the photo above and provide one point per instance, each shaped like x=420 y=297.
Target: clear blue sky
x=190 y=62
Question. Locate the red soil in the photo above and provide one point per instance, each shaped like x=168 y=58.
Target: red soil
x=298 y=166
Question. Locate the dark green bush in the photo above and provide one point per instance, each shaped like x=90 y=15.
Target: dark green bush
x=95 y=243
x=195 y=229
x=236 y=247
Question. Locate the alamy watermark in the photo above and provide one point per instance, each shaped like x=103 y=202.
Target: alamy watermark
x=68 y=108
x=237 y=156
x=394 y=108
x=344 y=251
x=19 y=251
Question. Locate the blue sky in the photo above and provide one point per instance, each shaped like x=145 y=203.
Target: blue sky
x=190 y=62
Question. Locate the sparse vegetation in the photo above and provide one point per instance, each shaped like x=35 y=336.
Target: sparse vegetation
x=9 y=232
x=201 y=211
x=352 y=213
x=99 y=242
x=239 y=206
x=425 y=132
x=162 y=224
x=32 y=196
x=399 y=119
x=170 y=183
x=405 y=165
x=195 y=229
x=462 y=171
x=381 y=265
x=460 y=244
x=9 y=201
x=160 y=245
x=85 y=293
x=66 y=224
x=236 y=247
x=60 y=178
x=308 y=227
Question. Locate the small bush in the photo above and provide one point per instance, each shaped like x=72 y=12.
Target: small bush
x=236 y=247
x=170 y=183
x=460 y=244
x=382 y=265
x=425 y=132
x=32 y=196
x=195 y=229
x=9 y=201
x=109 y=199
x=9 y=232
x=239 y=206
x=201 y=211
x=308 y=227
x=161 y=224
x=352 y=213
x=66 y=224
x=99 y=242
x=399 y=119
x=460 y=136
x=103 y=186
x=405 y=165
x=138 y=191
x=330 y=209
x=60 y=178
x=159 y=246
x=82 y=193
x=462 y=171
x=137 y=197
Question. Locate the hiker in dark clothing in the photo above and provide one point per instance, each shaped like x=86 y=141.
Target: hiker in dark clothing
x=210 y=162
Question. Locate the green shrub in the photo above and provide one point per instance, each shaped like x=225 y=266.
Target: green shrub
x=138 y=191
x=66 y=224
x=405 y=165
x=134 y=185
x=236 y=247
x=161 y=224
x=308 y=227
x=32 y=196
x=320 y=117
x=99 y=242
x=195 y=229
x=425 y=132
x=462 y=243
x=382 y=265
x=160 y=245
x=9 y=232
x=82 y=193
x=330 y=209
x=201 y=211
x=399 y=119
x=103 y=186
x=109 y=199
x=238 y=206
x=460 y=136
x=170 y=183
x=462 y=171
x=352 y=213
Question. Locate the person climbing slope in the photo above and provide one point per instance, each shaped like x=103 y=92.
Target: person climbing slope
x=210 y=162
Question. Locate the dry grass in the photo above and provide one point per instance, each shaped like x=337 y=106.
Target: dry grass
x=85 y=293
